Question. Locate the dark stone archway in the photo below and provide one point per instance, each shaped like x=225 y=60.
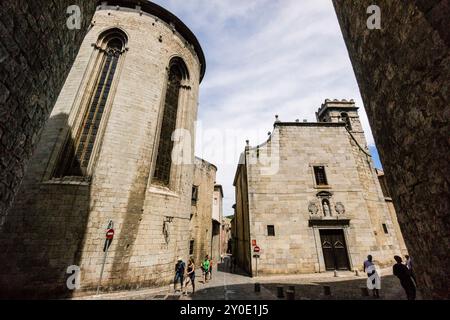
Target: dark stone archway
x=403 y=74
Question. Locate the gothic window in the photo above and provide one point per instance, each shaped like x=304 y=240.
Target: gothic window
x=346 y=119
x=77 y=153
x=321 y=178
x=177 y=73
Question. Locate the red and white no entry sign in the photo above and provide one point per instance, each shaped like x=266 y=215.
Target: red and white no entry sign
x=256 y=249
x=110 y=234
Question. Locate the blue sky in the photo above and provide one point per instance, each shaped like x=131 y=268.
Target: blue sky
x=263 y=57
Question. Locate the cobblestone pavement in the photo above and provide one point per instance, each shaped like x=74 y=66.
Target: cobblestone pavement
x=225 y=285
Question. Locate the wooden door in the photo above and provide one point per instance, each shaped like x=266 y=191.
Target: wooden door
x=334 y=249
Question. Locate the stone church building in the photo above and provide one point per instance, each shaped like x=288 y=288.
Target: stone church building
x=310 y=198
x=118 y=151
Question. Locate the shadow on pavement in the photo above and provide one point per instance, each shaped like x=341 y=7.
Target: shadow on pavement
x=227 y=267
x=340 y=290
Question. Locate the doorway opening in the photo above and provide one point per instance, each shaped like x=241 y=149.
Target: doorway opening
x=334 y=249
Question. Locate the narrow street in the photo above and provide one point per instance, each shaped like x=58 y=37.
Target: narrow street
x=225 y=285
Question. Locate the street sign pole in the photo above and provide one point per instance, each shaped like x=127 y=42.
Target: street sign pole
x=108 y=240
x=256 y=251
x=103 y=266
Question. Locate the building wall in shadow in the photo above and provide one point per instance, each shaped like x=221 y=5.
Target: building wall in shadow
x=402 y=71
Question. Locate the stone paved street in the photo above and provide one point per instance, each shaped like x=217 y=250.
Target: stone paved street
x=237 y=286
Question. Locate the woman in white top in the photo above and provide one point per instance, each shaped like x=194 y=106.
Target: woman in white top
x=373 y=281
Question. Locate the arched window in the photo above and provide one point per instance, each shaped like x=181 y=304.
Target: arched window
x=345 y=118
x=177 y=73
x=77 y=152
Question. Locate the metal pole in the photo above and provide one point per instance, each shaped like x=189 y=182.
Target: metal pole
x=256 y=257
x=103 y=266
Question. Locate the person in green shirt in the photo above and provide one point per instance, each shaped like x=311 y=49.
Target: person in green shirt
x=205 y=268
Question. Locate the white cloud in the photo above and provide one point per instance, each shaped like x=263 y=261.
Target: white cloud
x=264 y=57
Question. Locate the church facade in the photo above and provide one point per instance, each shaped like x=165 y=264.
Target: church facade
x=310 y=199
x=117 y=152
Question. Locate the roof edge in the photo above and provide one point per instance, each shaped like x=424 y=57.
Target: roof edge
x=168 y=17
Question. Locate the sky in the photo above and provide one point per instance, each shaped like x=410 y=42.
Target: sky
x=263 y=58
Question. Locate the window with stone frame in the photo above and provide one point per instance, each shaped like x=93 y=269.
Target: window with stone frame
x=168 y=125
x=191 y=247
x=77 y=152
x=194 y=197
x=320 y=176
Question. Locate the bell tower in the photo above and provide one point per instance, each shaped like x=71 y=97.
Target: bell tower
x=346 y=112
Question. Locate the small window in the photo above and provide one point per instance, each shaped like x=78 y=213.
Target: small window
x=194 y=195
x=321 y=178
x=385 y=228
x=271 y=231
x=191 y=247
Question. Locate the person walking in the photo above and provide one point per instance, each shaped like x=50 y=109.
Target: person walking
x=205 y=268
x=190 y=275
x=374 y=279
x=210 y=268
x=409 y=265
x=403 y=274
x=179 y=274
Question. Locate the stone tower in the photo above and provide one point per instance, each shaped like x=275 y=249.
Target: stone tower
x=343 y=111
x=117 y=150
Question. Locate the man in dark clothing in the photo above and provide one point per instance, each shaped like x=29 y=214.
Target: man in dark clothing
x=179 y=274
x=409 y=265
x=402 y=272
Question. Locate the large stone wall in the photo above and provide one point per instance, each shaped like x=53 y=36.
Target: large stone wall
x=37 y=50
x=55 y=223
x=402 y=71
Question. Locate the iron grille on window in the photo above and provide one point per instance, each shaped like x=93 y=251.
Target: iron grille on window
x=321 y=178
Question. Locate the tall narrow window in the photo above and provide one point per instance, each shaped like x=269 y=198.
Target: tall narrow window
x=321 y=178
x=177 y=73
x=271 y=230
x=77 y=153
x=191 y=247
x=194 y=195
